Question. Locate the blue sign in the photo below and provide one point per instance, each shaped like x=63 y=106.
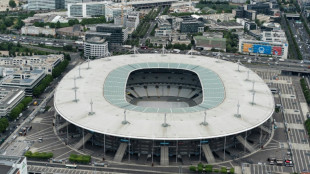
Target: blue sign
x=124 y=140
x=262 y=49
x=164 y=143
x=206 y=141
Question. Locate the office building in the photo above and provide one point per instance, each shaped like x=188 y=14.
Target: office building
x=23 y=79
x=9 y=98
x=240 y=12
x=96 y=47
x=45 y=4
x=92 y=9
x=13 y=165
x=164 y=28
x=191 y=26
x=9 y=65
x=118 y=34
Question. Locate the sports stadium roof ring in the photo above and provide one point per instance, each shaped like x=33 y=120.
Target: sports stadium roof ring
x=217 y=90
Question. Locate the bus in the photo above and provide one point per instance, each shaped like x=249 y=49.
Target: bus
x=274 y=90
x=71 y=166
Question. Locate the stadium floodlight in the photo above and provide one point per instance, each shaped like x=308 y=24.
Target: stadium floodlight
x=163 y=51
x=75 y=97
x=253 y=84
x=135 y=51
x=165 y=124
x=88 y=63
x=91 y=108
x=238 y=115
x=253 y=94
x=218 y=57
x=74 y=87
x=238 y=64
x=204 y=119
x=248 y=76
x=125 y=120
x=79 y=77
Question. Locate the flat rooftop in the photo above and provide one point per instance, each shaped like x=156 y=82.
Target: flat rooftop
x=108 y=116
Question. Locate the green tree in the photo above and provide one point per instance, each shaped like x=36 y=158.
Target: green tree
x=58 y=25
x=12 y=4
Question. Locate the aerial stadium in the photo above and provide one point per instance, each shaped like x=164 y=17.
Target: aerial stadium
x=164 y=109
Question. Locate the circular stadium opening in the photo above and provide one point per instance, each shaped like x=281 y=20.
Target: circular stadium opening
x=164 y=88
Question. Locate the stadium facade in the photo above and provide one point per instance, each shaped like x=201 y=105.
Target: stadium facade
x=164 y=109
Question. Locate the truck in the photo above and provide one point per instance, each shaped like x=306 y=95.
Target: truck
x=176 y=50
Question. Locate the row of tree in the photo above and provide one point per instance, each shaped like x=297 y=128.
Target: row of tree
x=72 y=22
x=4 y=123
x=37 y=91
x=19 y=108
x=60 y=68
x=305 y=89
x=19 y=50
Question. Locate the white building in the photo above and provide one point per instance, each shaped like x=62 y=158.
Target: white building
x=131 y=20
x=277 y=49
x=13 y=164
x=164 y=28
x=96 y=47
x=23 y=79
x=9 y=98
x=32 y=30
x=8 y=65
x=93 y=9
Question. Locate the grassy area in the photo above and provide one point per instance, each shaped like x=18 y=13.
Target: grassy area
x=39 y=155
x=209 y=169
x=85 y=159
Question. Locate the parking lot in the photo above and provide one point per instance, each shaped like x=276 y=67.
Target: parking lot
x=290 y=139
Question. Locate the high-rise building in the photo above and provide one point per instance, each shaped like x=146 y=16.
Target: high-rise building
x=96 y=47
x=118 y=34
x=71 y=2
x=46 y=4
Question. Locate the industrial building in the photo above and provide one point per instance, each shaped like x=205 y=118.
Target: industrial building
x=96 y=47
x=9 y=98
x=137 y=108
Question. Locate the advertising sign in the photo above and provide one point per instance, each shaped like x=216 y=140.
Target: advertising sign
x=247 y=48
x=276 y=50
x=262 y=49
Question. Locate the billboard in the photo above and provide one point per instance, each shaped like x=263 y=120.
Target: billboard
x=277 y=50
x=262 y=49
x=247 y=47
